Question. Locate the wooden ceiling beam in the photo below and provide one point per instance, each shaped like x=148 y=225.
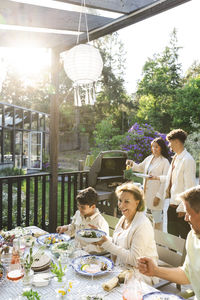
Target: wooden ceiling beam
x=117 y=6
x=20 y=14
x=127 y=20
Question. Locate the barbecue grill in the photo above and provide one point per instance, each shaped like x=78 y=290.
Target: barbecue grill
x=105 y=175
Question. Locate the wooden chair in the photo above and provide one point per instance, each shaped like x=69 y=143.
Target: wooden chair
x=112 y=222
x=171 y=253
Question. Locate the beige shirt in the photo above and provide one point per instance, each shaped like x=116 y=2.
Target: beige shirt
x=191 y=266
x=79 y=222
x=153 y=188
x=183 y=177
x=136 y=241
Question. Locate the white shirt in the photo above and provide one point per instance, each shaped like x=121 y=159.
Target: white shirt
x=131 y=243
x=183 y=177
x=79 y=222
x=191 y=266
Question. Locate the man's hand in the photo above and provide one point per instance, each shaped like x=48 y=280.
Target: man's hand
x=181 y=214
x=156 y=201
x=146 y=266
x=62 y=229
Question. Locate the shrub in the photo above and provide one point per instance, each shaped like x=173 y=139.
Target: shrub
x=138 y=141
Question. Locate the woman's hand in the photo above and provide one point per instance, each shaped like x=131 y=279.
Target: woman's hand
x=92 y=226
x=129 y=163
x=151 y=177
x=156 y=201
x=102 y=240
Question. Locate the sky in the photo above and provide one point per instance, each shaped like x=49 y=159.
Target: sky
x=150 y=36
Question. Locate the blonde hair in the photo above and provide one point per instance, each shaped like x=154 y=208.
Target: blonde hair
x=135 y=191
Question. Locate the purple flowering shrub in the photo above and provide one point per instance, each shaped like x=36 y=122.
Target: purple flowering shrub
x=138 y=141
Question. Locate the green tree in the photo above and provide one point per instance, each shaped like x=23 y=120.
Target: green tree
x=157 y=88
x=112 y=99
x=186 y=107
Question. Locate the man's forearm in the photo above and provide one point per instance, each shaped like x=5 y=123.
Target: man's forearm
x=176 y=275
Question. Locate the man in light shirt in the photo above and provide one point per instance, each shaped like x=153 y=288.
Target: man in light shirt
x=180 y=177
x=87 y=216
x=190 y=271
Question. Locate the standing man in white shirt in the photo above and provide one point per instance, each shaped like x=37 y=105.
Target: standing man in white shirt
x=180 y=177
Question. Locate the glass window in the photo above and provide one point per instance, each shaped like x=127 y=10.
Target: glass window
x=9 y=116
x=34 y=122
x=18 y=149
x=18 y=118
x=8 y=145
x=27 y=119
x=41 y=122
x=1 y=115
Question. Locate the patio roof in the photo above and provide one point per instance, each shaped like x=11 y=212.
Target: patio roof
x=54 y=24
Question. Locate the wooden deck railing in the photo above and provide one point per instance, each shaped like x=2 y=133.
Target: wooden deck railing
x=24 y=199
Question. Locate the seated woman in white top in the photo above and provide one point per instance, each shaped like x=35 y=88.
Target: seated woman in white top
x=154 y=165
x=133 y=236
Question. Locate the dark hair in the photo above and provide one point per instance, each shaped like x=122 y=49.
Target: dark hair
x=133 y=189
x=164 y=149
x=87 y=196
x=178 y=134
x=192 y=196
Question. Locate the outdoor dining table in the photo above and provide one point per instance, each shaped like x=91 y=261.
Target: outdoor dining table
x=81 y=285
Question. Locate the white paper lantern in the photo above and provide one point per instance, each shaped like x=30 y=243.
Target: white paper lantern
x=83 y=65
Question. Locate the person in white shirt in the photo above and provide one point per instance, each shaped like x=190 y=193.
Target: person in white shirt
x=154 y=165
x=180 y=177
x=87 y=216
x=190 y=271
x=133 y=236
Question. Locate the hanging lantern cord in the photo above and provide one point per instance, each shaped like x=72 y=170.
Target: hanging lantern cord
x=79 y=23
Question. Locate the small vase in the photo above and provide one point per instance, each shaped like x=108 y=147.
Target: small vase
x=60 y=287
x=28 y=277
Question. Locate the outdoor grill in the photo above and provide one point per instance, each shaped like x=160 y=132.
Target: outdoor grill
x=105 y=175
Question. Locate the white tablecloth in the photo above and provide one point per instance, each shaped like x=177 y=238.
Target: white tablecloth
x=81 y=285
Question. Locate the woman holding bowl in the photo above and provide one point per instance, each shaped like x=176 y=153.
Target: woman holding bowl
x=133 y=236
x=155 y=164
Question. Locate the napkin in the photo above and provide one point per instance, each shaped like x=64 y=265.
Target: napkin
x=109 y=285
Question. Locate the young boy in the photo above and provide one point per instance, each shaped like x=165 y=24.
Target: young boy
x=87 y=216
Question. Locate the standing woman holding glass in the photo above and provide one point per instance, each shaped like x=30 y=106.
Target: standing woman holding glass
x=155 y=164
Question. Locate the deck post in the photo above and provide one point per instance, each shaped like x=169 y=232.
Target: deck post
x=54 y=138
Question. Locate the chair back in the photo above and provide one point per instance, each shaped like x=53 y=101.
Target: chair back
x=112 y=222
x=171 y=249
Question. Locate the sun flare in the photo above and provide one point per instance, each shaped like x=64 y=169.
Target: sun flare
x=27 y=62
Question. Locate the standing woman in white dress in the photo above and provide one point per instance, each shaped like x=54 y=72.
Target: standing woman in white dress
x=154 y=165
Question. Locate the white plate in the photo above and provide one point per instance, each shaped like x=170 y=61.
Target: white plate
x=141 y=175
x=94 y=262
x=55 y=248
x=99 y=234
x=161 y=296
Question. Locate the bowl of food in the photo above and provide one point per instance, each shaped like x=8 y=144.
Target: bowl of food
x=62 y=248
x=92 y=265
x=90 y=235
x=52 y=238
